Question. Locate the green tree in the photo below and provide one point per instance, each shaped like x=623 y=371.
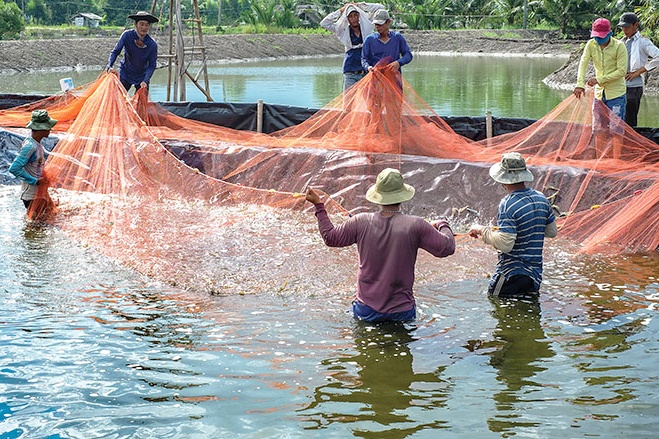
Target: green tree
x=648 y=13
x=285 y=14
x=568 y=15
x=38 y=11
x=12 y=22
x=117 y=11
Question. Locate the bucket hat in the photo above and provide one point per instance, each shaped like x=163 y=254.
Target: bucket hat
x=511 y=169
x=143 y=15
x=381 y=16
x=601 y=28
x=627 y=19
x=41 y=121
x=389 y=188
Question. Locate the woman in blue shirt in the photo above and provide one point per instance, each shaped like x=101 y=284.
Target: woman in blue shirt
x=140 y=53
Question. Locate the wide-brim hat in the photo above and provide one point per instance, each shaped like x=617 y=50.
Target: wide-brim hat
x=381 y=16
x=601 y=28
x=143 y=16
x=511 y=169
x=389 y=188
x=41 y=121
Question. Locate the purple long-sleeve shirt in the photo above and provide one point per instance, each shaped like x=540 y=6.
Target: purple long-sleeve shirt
x=387 y=247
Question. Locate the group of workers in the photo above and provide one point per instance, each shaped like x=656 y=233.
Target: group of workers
x=388 y=240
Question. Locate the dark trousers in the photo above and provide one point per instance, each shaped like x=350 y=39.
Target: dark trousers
x=27 y=203
x=127 y=85
x=517 y=286
x=634 y=95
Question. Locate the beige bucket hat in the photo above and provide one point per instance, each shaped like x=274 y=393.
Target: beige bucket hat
x=511 y=169
x=389 y=188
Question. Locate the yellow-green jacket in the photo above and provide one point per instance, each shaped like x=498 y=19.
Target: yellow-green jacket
x=610 y=67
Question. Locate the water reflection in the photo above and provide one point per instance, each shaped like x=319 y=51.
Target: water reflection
x=377 y=386
x=523 y=347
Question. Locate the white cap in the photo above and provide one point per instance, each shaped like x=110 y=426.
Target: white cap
x=381 y=16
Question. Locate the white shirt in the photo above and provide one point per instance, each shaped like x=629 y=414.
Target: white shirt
x=337 y=22
x=641 y=49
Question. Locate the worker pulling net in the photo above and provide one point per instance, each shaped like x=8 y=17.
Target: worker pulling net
x=138 y=181
x=599 y=172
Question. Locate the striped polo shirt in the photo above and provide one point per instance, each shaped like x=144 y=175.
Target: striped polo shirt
x=525 y=213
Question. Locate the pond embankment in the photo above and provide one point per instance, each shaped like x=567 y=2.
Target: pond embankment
x=92 y=52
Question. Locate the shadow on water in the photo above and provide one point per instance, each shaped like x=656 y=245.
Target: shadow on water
x=374 y=389
x=522 y=350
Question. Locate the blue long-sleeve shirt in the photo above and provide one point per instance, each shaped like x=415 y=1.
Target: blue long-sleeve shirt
x=396 y=48
x=28 y=167
x=138 y=63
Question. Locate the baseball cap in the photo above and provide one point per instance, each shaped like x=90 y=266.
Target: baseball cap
x=627 y=19
x=381 y=16
x=601 y=28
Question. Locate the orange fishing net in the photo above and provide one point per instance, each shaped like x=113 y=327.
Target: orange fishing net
x=129 y=173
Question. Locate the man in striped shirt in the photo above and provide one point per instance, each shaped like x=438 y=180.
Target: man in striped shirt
x=524 y=219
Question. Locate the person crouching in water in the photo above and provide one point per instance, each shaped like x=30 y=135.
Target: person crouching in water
x=28 y=165
x=524 y=219
x=387 y=244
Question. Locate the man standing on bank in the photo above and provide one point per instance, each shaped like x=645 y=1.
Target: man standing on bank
x=351 y=24
x=385 y=44
x=524 y=219
x=609 y=57
x=140 y=53
x=639 y=49
x=387 y=244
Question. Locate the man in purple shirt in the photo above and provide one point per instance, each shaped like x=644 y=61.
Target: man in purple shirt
x=387 y=243
x=140 y=53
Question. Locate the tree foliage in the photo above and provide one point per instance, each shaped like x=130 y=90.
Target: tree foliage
x=569 y=16
x=38 y=12
x=12 y=22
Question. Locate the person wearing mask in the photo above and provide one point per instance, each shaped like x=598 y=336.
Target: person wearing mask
x=524 y=219
x=351 y=24
x=609 y=57
x=387 y=244
x=140 y=53
x=643 y=56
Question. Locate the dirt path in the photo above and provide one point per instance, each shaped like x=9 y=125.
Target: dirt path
x=27 y=55
x=68 y=54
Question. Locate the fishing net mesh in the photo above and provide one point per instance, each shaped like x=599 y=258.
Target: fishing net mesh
x=136 y=180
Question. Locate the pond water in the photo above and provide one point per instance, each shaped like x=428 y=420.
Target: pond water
x=91 y=348
x=451 y=85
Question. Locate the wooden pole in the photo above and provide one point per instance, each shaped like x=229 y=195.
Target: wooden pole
x=180 y=54
x=203 y=68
